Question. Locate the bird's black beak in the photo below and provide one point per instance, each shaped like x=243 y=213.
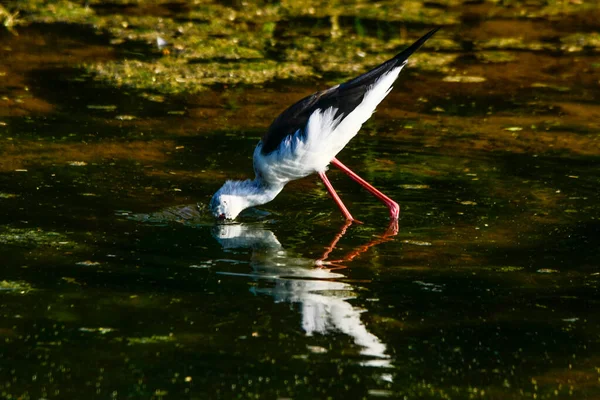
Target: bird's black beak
x=222 y=217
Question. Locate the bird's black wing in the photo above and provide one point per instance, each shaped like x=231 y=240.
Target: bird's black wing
x=344 y=98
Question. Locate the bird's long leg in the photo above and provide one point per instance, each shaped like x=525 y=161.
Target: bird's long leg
x=391 y=204
x=335 y=196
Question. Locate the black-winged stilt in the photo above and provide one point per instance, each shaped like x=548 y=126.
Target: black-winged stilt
x=306 y=138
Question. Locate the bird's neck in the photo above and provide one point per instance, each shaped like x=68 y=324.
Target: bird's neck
x=260 y=192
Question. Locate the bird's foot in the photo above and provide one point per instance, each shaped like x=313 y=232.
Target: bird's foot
x=392 y=229
x=394 y=210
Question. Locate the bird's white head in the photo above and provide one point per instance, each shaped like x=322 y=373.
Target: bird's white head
x=236 y=196
x=230 y=200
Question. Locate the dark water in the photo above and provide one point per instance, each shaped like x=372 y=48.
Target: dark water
x=116 y=283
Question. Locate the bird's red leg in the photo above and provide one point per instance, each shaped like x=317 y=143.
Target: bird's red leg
x=335 y=196
x=391 y=204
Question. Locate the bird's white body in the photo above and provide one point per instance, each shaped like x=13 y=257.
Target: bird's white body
x=307 y=136
x=301 y=155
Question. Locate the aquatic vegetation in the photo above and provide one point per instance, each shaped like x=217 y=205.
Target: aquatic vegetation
x=53 y=11
x=34 y=237
x=9 y=20
x=149 y=340
x=205 y=44
x=187 y=48
x=15 y=286
x=496 y=56
x=181 y=77
x=581 y=41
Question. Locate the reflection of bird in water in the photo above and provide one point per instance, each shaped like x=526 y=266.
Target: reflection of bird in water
x=323 y=299
x=307 y=137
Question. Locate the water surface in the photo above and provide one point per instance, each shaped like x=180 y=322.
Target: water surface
x=118 y=284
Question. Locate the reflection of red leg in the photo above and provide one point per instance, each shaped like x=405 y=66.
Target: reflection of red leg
x=391 y=204
x=335 y=196
x=389 y=234
x=334 y=243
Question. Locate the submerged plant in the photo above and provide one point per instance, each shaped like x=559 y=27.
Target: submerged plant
x=9 y=20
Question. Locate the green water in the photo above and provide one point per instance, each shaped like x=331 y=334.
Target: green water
x=117 y=283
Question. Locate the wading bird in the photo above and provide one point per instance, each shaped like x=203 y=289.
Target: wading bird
x=306 y=138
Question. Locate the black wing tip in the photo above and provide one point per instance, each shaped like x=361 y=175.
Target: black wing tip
x=403 y=56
